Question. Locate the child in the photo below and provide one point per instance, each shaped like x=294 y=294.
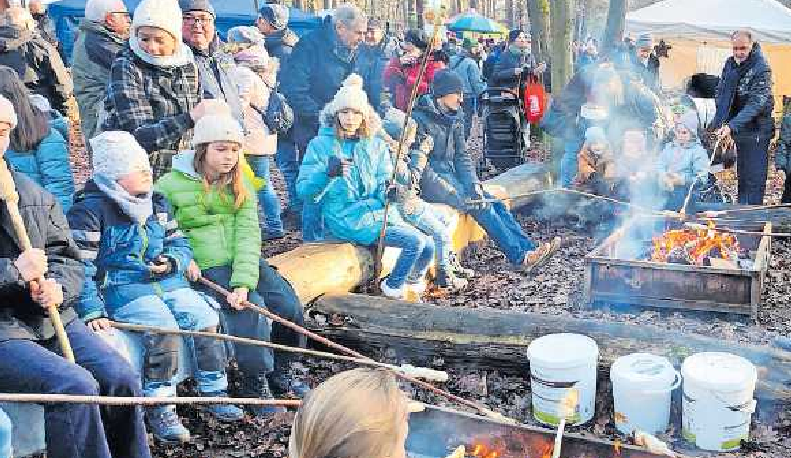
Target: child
x=135 y=257
x=595 y=161
x=216 y=207
x=414 y=210
x=683 y=162
x=345 y=171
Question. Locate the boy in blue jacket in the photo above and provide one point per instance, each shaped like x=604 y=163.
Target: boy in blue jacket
x=135 y=258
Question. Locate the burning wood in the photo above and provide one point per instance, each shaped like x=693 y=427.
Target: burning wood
x=698 y=247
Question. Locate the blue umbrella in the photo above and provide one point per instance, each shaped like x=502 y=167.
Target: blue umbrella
x=474 y=22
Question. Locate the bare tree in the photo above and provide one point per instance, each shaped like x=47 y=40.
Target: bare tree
x=538 y=14
x=562 y=33
x=616 y=23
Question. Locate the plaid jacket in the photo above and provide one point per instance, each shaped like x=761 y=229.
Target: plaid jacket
x=152 y=103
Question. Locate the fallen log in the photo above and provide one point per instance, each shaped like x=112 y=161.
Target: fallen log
x=490 y=338
x=344 y=266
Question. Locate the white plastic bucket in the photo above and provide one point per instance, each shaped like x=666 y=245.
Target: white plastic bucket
x=718 y=400
x=641 y=388
x=563 y=366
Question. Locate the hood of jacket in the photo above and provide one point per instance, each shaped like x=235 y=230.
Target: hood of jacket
x=100 y=29
x=12 y=38
x=184 y=162
x=327 y=120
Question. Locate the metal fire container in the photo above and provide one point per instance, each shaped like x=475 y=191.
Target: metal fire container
x=616 y=272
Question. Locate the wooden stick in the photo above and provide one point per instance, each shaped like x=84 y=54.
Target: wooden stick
x=26 y=398
x=9 y=194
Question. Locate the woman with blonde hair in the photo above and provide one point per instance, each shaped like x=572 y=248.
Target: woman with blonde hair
x=360 y=413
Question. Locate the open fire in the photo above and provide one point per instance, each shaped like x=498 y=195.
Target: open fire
x=699 y=247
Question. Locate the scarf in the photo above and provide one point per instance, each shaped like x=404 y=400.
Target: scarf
x=139 y=209
x=183 y=55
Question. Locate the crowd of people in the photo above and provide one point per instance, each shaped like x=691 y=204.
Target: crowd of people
x=182 y=128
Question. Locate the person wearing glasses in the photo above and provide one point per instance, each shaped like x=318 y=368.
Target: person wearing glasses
x=744 y=112
x=102 y=35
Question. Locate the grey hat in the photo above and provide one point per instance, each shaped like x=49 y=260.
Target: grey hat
x=447 y=82
x=276 y=15
x=197 y=5
x=644 y=40
x=246 y=35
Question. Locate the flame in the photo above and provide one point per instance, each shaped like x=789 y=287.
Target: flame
x=694 y=245
x=617 y=447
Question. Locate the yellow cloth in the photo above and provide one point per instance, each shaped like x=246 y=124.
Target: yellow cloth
x=247 y=171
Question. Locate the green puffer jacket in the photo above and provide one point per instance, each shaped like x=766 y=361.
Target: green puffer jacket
x=220 y=234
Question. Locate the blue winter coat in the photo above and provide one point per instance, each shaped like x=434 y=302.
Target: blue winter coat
x=450 y=174
x=352 y=206
x=371 y=66
x=470 y=74
x=313 y=74
x=116 y=252
x=48 y=166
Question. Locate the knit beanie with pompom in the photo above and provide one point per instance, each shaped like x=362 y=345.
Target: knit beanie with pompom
x=217 y=128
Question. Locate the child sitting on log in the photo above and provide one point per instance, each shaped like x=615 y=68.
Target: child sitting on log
x=135 y=257
x=683 y=163
x=595 y=162
x=414 y=210
x=215 y=206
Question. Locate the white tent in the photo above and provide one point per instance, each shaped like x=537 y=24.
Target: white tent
x=768 y=20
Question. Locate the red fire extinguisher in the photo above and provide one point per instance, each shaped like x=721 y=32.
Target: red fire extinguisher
x=534 y=100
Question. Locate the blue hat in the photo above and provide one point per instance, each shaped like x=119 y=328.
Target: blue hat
x=276 y=15
x=447 y=82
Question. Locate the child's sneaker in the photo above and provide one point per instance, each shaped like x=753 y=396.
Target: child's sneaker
x=392 y=293
x=447 y=279
x=165 y=425
x=224 y=412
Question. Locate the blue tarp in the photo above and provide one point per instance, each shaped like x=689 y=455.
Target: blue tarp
x=230 y=13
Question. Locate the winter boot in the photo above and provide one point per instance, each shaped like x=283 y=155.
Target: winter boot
x=446 y=278
x=227 y=413
x=392 y=293
x=165 y=425
x=258 y=387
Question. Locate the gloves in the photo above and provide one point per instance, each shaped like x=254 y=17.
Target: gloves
x=337 y=167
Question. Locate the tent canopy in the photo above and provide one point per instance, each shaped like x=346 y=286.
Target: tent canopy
x=768 y=20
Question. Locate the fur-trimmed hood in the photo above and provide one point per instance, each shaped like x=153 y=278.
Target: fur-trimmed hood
x=351 y=95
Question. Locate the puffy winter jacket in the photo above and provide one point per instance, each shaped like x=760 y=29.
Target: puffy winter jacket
x=20 y=317
x=403 y=79
x=352 y=206
x=505 y=70
x=48 y=166
x=470 y=74
x=116 y=251
x=219 y=233
x=450 y=173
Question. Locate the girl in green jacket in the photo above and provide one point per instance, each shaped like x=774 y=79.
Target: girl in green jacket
x=216 y=209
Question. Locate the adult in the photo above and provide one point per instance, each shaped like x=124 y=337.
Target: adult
x=44 y=23
x=744 y=112
x=154 y=91
x=783 y=152
x=450 y=178
x=272 y=22
x=361 y=412
x=646 y=63
x=464 y=64
x=516 y=63
x=38 y=149
x=372 y=62
x=34 y=60
x=101 y=37
x=30 y=357
x=320 y=63
x=401 y=74
x=588 y=54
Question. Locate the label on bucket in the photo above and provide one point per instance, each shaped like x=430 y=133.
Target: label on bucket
x=554 y=399
x=712 y=428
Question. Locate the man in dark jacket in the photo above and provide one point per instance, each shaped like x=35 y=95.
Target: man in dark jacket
x=372 y=62
x=320 y=63
x=744 y=111
x=30 y=356
x=515 y=63
x=101 y=37
x=646 y=62
x=450 y=178
x=36 y=61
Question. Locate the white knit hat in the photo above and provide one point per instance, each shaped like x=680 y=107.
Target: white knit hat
x=97 y=10
x=162 y=14
x=351 y=96
x=7 y=112
x=117 y=154
x=217 y=128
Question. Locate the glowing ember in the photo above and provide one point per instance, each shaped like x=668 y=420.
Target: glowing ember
x=695 y=246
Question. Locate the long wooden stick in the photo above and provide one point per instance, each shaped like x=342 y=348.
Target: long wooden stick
x=9 y=194
x=28 y=398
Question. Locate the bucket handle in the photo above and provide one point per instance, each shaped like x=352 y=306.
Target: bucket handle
x=676 y=384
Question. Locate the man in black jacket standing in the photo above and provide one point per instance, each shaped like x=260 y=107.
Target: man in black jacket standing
x=744 y=111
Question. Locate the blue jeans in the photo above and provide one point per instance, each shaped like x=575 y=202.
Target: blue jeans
x=506 y=232
x=180 y=309
x=417 y=252
x=6 y=430
x=569 y=162
x=78 y=430
x=272 y=292
x=268 y=201
x=312 y=222
x=752 y=164
x=287 y=160
x=432 y=223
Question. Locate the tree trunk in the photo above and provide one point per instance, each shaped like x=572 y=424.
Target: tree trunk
x=495 y=339
x=616 y=23
x=538 y=14
x=562 y=25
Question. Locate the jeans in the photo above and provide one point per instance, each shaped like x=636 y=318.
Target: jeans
x=268 y=200
x=6 y=431
x=78 y=430
x=180 y=309
x=272 y=292
x=752 y=162
x=312 y=222
x=432 y=223
x=568 y=162
x=506 y=232
x=417 y=252
x=287 y=160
